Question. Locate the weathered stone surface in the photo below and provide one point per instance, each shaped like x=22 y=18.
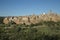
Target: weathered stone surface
x=32 y=19
x=6 y=21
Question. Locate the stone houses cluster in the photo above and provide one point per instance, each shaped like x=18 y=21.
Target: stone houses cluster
x=32 y=19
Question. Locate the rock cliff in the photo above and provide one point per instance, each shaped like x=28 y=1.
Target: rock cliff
x=32 y=19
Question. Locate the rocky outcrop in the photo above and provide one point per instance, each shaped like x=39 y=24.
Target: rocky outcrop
x=6 y=20
x=32 y=19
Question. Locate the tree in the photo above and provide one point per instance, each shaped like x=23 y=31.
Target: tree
x=1 y=20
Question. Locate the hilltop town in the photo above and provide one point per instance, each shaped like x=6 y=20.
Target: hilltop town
x=32 y=19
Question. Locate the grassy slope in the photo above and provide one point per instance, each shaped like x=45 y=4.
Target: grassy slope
x=42 y=31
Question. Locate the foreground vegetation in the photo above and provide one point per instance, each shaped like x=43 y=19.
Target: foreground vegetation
x=42 y=31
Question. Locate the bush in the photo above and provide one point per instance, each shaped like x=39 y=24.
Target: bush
x=50 y=31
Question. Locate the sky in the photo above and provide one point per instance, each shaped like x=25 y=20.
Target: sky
x=28 y=7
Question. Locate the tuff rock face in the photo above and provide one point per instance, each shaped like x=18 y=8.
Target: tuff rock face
x=32 y=19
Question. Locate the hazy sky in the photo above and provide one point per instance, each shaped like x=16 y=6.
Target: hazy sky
x=27 y=7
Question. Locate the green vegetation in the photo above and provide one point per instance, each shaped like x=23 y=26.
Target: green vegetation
x=1 y=19
x=47 y=30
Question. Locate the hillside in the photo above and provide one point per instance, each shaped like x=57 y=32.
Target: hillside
x=33 y=27
x=32 y=19
x=42 y=31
